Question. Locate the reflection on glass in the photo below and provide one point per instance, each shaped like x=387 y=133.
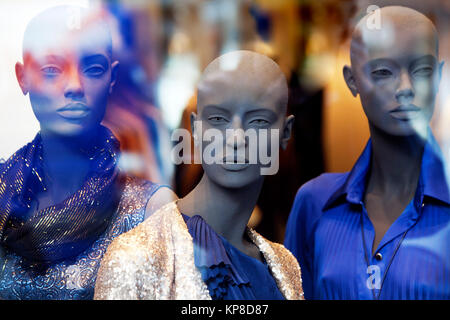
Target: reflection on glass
x=62 y=197
x=205 y=234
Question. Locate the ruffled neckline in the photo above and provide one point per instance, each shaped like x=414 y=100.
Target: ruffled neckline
x=212 y=260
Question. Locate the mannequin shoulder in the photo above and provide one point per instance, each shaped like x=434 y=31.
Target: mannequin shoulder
x=317 y=191
x=161 y=197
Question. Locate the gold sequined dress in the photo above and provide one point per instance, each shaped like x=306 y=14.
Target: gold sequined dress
x=156 y=261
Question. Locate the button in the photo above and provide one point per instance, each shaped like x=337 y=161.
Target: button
x=379 y=256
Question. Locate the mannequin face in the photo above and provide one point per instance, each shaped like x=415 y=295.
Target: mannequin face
x=241 y=100
x=68 y=75
x=396 y=72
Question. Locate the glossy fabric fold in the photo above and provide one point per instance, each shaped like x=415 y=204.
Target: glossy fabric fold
x=67 y=228
x=211 y=258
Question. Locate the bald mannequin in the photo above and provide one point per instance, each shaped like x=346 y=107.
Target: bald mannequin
x=68 y=72
x=247 y=66
x=239 y=90
x=58 y=43
x=396 y=73
x=202 y=242
x=394 y=43
x=395 y=21
x=380 y=230
x=65 y=188
x=68 y=27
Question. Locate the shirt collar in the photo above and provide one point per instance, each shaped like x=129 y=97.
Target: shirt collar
x=432 y=180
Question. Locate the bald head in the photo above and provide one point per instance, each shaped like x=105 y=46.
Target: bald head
x=244 y=76
x=395 y=70
x=66 y=28
x=67 y=71
x=399 y=27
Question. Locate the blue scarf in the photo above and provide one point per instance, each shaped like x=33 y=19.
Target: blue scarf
x=64 y=230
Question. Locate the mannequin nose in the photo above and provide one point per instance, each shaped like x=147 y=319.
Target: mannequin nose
x=405 y=91
x=74 y=86
x=236 y=140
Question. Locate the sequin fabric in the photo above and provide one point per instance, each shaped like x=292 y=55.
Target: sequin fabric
x=75 y=279
x=283 y=265
x=156 y=261
x=67 y=228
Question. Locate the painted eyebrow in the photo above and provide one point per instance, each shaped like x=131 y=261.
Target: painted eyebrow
x=376 y=62
x=272 y=115
x=95 y=58
x=53 y=59
x=425 y=58
x=213 y=107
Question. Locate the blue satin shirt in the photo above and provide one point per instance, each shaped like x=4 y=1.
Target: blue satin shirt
x=326 y=227
x=228 y=273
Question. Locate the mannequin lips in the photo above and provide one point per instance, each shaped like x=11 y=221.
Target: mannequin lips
x=405 y=112
x=74 y=111
x=234 y=166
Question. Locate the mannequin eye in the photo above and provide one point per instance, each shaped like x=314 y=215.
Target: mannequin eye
x=94 y=71
x=259 y=122
x=423 y=72
x=382 y=73
x=51 y=71
x=217 y=119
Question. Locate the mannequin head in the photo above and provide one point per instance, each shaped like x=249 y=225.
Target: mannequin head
x=67 y=69
x=395 y=69
x=239 y=91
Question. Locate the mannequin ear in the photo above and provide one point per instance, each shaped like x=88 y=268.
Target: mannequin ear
x=350 y=80
x=114 y=70
x=441 y=66
x=194 y=133
x=287 y=131
x=21 y=77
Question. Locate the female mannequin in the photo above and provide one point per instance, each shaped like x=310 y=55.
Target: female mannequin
x=62 y=197
x=384 y=225
x=200 y=247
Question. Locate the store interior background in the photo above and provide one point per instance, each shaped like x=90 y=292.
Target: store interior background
x=163 y=46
